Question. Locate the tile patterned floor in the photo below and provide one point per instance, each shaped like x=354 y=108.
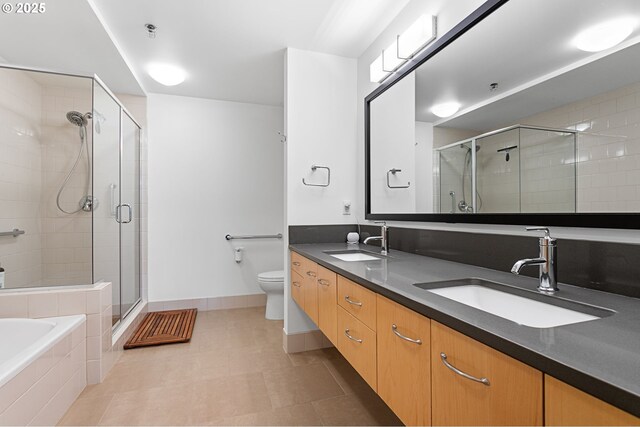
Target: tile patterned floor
x=233 y=372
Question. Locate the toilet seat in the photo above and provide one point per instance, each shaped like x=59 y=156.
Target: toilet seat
x=271 y=276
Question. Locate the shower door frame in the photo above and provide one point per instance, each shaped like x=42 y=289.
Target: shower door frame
x=123 y=111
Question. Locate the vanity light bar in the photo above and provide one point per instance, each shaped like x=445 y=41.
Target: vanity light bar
x=406 y=45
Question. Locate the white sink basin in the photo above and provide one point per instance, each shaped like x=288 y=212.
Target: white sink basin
x=521 y=310
x=354 y=256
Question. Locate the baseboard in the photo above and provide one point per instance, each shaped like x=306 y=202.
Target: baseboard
x=208 y=304
x=304 y=341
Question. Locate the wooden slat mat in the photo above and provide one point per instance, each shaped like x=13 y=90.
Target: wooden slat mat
x=164 y=327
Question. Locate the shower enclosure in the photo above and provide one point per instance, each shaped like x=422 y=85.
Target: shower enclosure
x=69 y=185
x=519 y=169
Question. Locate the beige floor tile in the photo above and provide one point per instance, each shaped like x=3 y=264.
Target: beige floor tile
x=363 y=409
x=314 y=356
x=233 y=372
x=203 y=402
x=300 y=415
x=85 y=411
x=301 y=384
x=346 y=376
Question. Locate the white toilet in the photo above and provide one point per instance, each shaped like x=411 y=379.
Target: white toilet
x=272 y=283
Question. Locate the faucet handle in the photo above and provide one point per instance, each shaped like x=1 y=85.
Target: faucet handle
x=547 y=235
x=384 y=223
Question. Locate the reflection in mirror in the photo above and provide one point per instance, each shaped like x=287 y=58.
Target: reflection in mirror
x=545 y=123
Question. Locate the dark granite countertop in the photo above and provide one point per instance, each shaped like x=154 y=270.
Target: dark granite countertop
x=600 y=357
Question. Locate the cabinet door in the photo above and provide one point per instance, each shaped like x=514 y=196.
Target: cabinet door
x=296 y=288
x=328 y=303
x=404 y=369
x=510 y=395
x=357 y=301
x=567 y=406
x=357 y=343
x=310 y=288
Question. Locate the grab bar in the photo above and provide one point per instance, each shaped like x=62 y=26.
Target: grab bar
x=15 y=232
x=254 y=236
x=313 y=168
x=394 y=171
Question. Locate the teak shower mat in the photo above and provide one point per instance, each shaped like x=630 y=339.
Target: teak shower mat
x=164 y=327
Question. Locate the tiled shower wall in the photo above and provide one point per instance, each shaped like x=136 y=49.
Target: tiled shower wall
x=608 y=154
x=66 y=239
x=20 y=178
x=38 y=146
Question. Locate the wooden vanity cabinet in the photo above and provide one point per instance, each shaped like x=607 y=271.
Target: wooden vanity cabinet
x=510 y=394
x=310 y=289
x=404 y=367
x=567 y=406
x=328 y=303
x=297 y=283
x=357 y=301
x=357 y=343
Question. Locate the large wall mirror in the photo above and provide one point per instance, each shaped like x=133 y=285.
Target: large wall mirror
x=527 y=112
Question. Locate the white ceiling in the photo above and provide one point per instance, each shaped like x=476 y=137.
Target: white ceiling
x=234 y=49
x=67 y=38
x=514 y=51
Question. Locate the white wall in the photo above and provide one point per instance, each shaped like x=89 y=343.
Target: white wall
x=449 y=13
x=320 y=111
x=215 y=168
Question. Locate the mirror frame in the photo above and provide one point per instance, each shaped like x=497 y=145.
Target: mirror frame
x=589 y=220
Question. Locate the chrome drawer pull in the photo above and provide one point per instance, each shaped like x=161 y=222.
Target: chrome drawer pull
x=482 y=380
x=296 y=263
x=311 y=273
x=296 y=284
x=394 y=328
x=346 y=332
x=324 y=282
x=346 y=298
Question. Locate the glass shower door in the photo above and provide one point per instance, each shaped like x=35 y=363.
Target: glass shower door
x=129 y=214
x=106 y=187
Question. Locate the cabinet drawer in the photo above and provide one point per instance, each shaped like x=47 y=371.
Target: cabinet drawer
x=310 y=276
x=328 y=303
x=510 y=395
x=297 y=283
x=357 y=301
x=567 y=406
x=357 y=343
x=297 y=262
x=404 y=367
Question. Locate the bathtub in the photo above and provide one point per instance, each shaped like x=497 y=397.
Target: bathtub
x=42 y=368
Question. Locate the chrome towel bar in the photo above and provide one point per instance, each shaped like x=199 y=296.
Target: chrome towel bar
x=15 y=232
x=314 y=168
x=394 y=171
x=254 y=236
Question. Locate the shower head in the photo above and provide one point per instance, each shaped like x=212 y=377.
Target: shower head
x=468 y=148
x=77 y=118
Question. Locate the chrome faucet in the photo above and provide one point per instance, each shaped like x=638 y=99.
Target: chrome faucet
x=547 y=262
x=384 y=238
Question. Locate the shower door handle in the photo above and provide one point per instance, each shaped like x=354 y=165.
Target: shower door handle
x=119 y=213
x=130 y=213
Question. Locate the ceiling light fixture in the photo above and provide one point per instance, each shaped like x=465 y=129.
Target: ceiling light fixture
x=406 y=45
x=166 y=74
x=446 y=109
x=605 y=35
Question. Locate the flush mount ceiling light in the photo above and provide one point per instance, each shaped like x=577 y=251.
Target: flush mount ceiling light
x=166 y=74
x=406 y=45
x=446 y=109
x=604 y=36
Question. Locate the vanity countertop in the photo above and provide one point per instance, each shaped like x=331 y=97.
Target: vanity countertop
x=601 y=357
